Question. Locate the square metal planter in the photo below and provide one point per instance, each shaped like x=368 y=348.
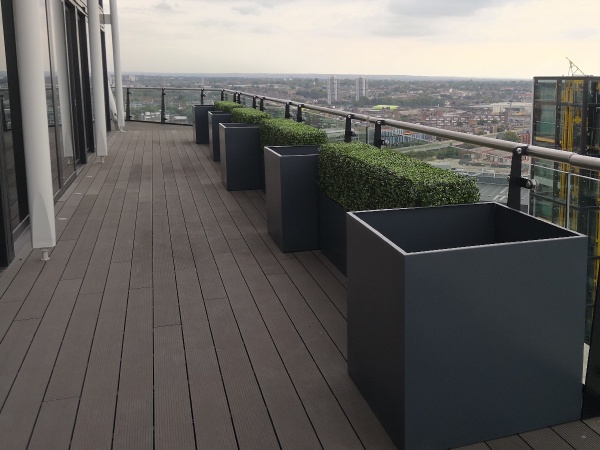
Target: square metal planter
x=214 y=119
x=242 y=167
x=465 y=323
x=292 y=196
x=332 y=231
x=201 y=134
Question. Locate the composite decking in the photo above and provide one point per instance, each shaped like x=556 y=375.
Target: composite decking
x=167 y=318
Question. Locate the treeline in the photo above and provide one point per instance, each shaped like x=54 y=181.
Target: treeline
x=448 y=152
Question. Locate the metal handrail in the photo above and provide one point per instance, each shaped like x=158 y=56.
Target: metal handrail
x=574 y=159
x=559 y=156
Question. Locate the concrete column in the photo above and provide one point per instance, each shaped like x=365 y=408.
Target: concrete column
x=116 y=42
x=35 y=124
x=97 y=79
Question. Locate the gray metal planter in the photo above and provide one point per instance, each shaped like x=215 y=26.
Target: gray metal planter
x=292 y=196
x=214 y=119
x=201 y=134
x=465 y=323
x=332 y=231
x=242 y=167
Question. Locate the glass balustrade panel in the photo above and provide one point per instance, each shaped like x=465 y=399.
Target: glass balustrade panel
x=145 y=104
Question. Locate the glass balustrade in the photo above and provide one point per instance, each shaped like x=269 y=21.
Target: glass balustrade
x=569 y=197
x=145 y=104
x=179 y=105
x=276 y=110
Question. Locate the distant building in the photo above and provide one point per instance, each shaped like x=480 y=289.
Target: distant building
x=566 y=116
x=361 y=88
x=332 y=90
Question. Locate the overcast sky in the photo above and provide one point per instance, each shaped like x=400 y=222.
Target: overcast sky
x=469 y=38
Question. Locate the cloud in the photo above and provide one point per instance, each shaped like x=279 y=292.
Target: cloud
x=246 y=10
x=267 y=3
x=442 y=8
x=163 y=6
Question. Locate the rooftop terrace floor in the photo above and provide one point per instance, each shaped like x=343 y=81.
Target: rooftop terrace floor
x=167 y=318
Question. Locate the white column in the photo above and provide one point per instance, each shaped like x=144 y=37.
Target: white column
x=116 y=42
x=97 y=78
x=35 y=124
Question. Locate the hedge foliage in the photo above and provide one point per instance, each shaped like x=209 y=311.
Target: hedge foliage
x=361 y=177
x=289 y=132
x=249 y=115
x=227 y=106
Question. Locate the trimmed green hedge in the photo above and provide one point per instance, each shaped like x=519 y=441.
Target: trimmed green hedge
x=362 y=177
x=289 y=132
x=227 y=106
x=249 y=115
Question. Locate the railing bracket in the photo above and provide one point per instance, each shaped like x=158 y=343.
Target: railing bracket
x=515 y=180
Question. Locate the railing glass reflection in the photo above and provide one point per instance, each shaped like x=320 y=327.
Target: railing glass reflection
x=569 y=197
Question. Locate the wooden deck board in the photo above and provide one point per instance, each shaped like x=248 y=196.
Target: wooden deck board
x=509 y=443
x=578 y=435
x=212 y=416
x=69 y=370
x=54 y=425
x=168 y=318
x=172 y=409
x=545 y=439
x=326 y=416
x=248 y=410
x=95 y=417
x=23 y=403
x=134 y=421
x=291 y=423
x=13 y=349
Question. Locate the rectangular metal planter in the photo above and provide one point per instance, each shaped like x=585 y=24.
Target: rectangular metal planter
x=214 y=119
x=201 y=134
x=242 y=167
x=292 y=196
x=465 y=323
x=332 y=231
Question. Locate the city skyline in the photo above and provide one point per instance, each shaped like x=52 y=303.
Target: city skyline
x=466 y=38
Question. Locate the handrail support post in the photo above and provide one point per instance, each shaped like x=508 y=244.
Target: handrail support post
x=163 y=112
x=516 y=181
x=377 y=141
x=348 y=129
x=128 y=106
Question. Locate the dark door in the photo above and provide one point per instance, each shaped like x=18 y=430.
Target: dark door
x=6 y=237
x=86 y=81
x=79 y=74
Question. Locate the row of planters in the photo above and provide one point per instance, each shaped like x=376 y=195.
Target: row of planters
x=463 y=314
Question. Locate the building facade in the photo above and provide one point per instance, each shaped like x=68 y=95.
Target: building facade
x=566 y=116
x=361 y=88
x=64 y=40
x=332 y=90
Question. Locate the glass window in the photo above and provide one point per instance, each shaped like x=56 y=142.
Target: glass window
x=7 y=136
x=544 y=116
x=60 y=83
x=545 y=90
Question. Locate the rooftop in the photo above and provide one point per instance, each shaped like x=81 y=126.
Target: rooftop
x=167 y=318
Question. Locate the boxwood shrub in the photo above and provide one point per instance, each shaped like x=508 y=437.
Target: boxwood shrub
x=249 y=115
x=289 y=132
x=361 y=177
x=227 y=106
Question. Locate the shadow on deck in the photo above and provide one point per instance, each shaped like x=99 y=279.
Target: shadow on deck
x=167 y=318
